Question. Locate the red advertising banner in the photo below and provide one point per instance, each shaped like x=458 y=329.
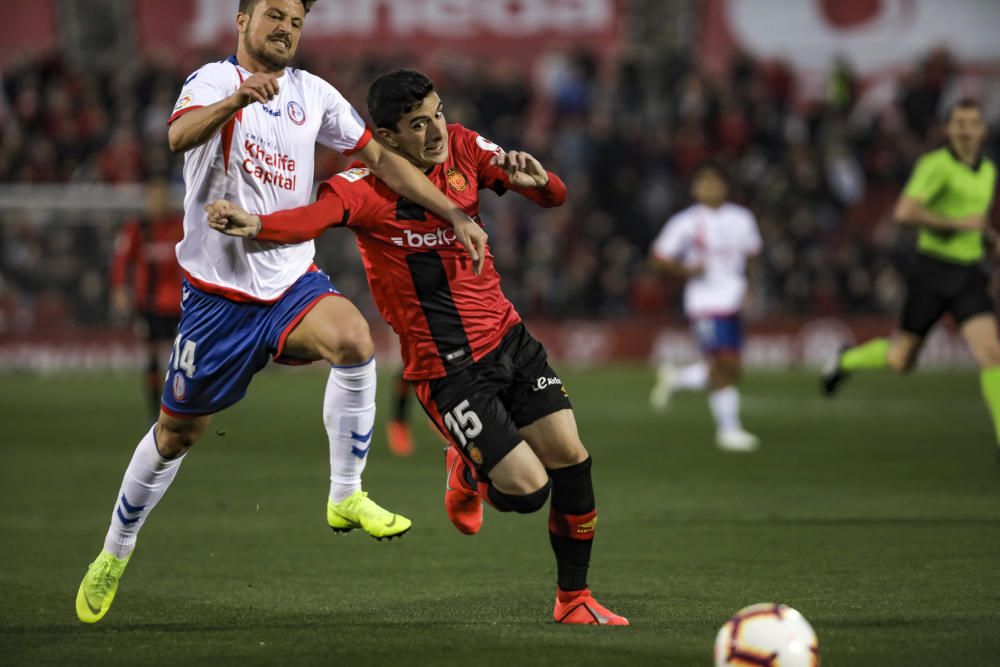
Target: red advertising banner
x=29 y=28
x=506 y=27
x=774 y=344
x=877 y=38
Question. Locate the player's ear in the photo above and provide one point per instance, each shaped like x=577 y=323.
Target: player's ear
x=388 y=137
x=242 y=20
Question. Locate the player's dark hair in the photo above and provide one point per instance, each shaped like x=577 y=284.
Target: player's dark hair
x=396 y=93
x=964 y=103
x=247 y=6
x=713 y=167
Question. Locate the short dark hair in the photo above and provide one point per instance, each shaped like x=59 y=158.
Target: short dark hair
x=247 y=6
x=964 y=103
x=396 y=93
x=714 y=167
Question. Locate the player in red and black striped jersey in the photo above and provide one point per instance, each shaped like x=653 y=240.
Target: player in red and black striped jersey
x=483 y=379
x=144 y=257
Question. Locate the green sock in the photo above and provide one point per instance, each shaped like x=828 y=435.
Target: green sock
x=989 y=380
x=872 y=354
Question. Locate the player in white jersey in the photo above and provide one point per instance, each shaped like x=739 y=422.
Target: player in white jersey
x=708 y=246
x=248 y=127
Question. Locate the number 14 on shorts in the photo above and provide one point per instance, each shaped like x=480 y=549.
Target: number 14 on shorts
x=182 y=358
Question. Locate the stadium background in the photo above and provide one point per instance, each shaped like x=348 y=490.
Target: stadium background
x=876 y=514
x=820 y=122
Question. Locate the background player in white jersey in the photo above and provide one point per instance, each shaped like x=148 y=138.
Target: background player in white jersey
x=248 y=126
x=708 y=245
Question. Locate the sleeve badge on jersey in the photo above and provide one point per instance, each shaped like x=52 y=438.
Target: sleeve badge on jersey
x=296 y=113
x=457 y=180
x=183 y=102
x=487 y=145
x=355 y=174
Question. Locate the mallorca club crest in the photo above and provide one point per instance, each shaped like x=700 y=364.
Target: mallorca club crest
x=295 y=112
x=457 y=180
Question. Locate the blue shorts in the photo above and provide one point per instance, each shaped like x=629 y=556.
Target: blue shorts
x=221 y=344
x=719 y=334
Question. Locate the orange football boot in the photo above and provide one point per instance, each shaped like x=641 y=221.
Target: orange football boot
x=461 y=499
x=400 y=442
x=580 y=608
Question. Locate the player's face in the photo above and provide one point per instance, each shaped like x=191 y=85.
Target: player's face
x=966 y=129
x=709 y=188
x=272 y=29
x=423 y=133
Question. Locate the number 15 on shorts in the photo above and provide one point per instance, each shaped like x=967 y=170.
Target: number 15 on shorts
x=463 y=422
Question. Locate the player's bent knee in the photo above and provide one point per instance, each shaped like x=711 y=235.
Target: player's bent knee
x=353 y=343
x=572 y=453
x=175 y=436
x=899 y=361
x=989 y=357
x=520 y=503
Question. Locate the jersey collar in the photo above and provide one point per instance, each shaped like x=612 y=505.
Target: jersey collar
x=974 y=166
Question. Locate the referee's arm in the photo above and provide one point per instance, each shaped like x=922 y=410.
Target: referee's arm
x=911 y=211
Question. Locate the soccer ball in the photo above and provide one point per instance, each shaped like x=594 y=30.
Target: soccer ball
x=766 y=635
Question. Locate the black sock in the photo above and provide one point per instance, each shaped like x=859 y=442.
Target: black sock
x=572 y=519
x=401 y=393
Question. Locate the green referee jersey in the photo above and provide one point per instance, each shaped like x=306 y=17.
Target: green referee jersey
x=948 y=187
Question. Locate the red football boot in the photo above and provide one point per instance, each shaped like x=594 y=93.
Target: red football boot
x=461 y=499
x=580 y=608
x=400 y=442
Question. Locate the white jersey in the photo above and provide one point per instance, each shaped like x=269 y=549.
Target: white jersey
x=720 y=240
x=262 y=159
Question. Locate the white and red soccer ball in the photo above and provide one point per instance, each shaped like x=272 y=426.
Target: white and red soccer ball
x=767 y=635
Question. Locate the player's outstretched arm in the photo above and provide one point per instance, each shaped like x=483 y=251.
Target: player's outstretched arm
x=526 y=176
x=199 y=125
x=408 y=181
x=911 y=211
x=294 y=225
x=229 y=218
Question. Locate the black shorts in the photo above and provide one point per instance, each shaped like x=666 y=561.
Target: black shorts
x=160 y=327
x=481 y=407
x=936 y=287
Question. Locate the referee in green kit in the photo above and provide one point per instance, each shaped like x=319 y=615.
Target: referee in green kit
x=948 y=199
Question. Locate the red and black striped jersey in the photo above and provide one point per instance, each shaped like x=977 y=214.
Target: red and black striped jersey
x=420 y=276
x=144 y=255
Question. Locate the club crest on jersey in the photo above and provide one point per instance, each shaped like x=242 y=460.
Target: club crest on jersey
x=296 y=113
x=487 y=145
x=179 y=387
x=457 y=180
x=474 y=454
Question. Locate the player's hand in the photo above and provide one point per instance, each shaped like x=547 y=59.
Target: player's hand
x=260 y=87
x=230 y=219
x=473 y=239
x=522 y=169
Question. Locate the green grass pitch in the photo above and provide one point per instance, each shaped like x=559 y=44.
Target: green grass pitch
x=877 y=515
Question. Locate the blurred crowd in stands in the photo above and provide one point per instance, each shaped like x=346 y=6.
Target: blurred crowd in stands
x=624 y=134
